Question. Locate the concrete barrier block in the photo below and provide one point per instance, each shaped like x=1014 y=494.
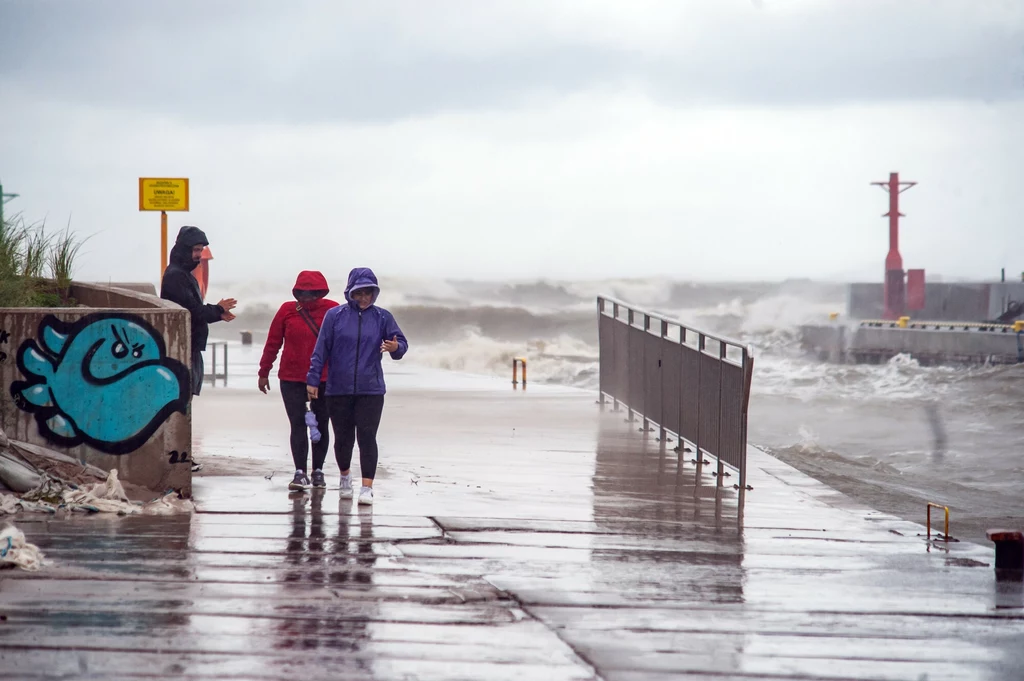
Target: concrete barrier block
x=109 y=387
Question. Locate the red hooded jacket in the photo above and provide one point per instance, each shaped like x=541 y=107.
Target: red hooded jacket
x=291 y=329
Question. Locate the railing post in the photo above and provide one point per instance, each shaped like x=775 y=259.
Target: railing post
x=615 y=350
x=225 y=364
x=600 y=354
x=680 y=446
x=662 y=433
x=643 y=386
x=629 y=323
x=721 y=465
x=748 y=374
x=699 y=455
x=213 y=355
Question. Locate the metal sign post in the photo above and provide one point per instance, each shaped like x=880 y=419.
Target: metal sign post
x=163 y=194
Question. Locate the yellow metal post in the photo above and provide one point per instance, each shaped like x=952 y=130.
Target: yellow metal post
x=903 y=322
x=163 y=242
x=929 y=521
x=515 y=371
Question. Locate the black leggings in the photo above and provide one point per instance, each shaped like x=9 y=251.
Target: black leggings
x=294 y=395
x=356 y=417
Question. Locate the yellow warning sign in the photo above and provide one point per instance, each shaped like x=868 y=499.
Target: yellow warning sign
x=163 y=193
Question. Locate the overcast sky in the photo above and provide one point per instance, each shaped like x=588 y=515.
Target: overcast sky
x=701 y=139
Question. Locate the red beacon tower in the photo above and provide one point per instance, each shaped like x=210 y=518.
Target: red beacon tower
x=900 y=295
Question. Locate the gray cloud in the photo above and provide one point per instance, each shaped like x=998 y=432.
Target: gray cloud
x=321 y=62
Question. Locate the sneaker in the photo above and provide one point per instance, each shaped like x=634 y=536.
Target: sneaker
x=345 y=487
x=366 y=495
x=318 y=480
x=300 y=481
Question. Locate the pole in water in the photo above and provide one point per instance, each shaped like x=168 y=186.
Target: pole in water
x=938 y=432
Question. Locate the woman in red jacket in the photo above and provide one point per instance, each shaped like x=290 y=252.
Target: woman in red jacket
x=297 y=325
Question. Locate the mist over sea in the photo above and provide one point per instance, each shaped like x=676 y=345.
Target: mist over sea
x=894 y=435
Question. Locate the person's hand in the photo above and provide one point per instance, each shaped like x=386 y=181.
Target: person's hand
x=389 y=345
x=228 y=304
x=312 y=392
x=264 y=384
x=227 y=317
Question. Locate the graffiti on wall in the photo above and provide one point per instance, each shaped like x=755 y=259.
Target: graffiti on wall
x=104 y=380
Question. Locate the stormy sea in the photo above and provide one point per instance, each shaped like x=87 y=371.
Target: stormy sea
x=893 y=436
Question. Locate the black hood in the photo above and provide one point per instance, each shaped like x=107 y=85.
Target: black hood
x=188 y=237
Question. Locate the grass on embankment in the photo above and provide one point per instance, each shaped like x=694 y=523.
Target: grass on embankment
x=36 y=267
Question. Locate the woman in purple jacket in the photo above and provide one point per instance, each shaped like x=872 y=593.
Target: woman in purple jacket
x=352 y=339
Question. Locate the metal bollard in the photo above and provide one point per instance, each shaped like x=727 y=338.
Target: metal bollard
x=515 y=366
x=945 y=536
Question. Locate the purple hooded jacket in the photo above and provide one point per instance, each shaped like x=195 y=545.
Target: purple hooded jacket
x=349 y=343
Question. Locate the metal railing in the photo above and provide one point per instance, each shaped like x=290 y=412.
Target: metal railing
x=213 y=375
x=908 y=323
x=692 y=384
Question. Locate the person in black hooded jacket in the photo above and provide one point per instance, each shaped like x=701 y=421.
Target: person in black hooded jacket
x=179 y=286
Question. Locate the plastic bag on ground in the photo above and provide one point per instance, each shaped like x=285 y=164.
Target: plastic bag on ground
x=18 y=553
x=101 y=497
x=43 y=481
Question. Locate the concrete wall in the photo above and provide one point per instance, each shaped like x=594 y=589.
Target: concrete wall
x=137 y=287
x=930 y=346
x=926 y=345
x=970 y=302
x=107 y=384
x=865 y=301
x=1000 y=295
x=827 y=343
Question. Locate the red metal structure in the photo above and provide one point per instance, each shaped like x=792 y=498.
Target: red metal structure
x=895 y=287
x=915 y=290
x=202 y=271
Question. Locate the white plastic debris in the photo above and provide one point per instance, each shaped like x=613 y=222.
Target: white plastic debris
x=18 y=553
x=167 y=505
x=41 y=480
x=9 y=504
x=101 y=497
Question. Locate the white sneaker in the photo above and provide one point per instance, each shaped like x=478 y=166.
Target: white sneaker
x=366 y=495
x=346 y=487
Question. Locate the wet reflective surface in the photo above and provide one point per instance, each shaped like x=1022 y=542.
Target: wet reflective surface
x=514 y=536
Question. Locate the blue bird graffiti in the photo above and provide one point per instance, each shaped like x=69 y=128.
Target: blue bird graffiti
x=104 y=380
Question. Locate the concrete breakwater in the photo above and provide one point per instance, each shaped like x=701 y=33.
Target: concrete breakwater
x=928 y=342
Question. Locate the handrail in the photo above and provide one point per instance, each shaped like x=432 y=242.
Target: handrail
x=675 y=322
x=936 y=325
x=689 y=390
x=214 y=374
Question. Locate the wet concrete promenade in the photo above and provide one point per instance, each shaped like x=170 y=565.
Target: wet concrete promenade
x=515 y=536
